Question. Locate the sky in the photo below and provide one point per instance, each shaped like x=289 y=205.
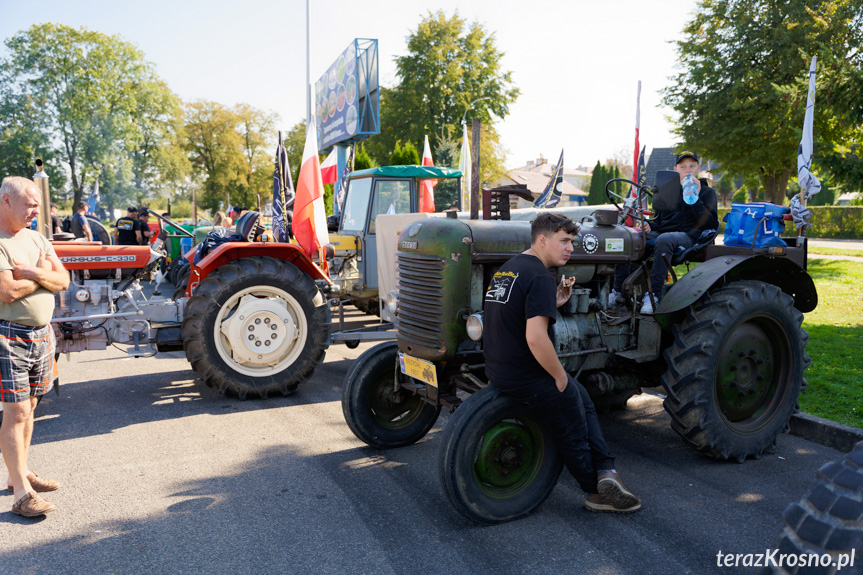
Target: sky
x=576 y=62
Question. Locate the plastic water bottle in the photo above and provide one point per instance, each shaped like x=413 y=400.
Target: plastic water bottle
x=691 y=187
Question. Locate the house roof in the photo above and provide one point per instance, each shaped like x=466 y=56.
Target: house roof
x=537 y=181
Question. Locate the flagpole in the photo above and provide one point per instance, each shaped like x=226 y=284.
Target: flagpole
x=637 y=145
x=308 y=67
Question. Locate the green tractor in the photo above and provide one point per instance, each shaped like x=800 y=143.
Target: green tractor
x=725 y=344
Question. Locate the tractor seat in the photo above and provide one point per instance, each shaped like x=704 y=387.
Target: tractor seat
x=695 y=252
x=247 y=226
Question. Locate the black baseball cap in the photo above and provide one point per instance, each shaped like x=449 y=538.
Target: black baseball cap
x=132 y=209
x=686 y=154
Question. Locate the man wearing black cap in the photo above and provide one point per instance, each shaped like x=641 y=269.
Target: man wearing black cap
x=144 y=222
x=127 y=231
x=672 y=229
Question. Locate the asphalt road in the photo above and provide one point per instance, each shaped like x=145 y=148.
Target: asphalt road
x=163 y=475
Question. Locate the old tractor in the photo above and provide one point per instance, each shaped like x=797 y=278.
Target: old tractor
x=725 y=344
x=252 y=316
x=256 y=322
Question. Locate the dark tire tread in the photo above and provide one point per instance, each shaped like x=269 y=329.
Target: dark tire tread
x=213 y=291
x=688 y=380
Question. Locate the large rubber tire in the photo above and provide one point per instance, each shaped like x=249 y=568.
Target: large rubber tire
x=248 y=296
x=374 y=413
x=735 y=370
x=496 y=461
x=829 y=518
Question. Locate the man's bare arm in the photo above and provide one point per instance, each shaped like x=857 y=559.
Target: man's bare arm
x=48 y=272
x=12 y=289
x=543 y=350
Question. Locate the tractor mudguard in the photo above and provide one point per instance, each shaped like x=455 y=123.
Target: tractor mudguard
x=779 y=271
x=285 y=252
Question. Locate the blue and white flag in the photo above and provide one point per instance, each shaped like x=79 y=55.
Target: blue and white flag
x=94 y=198
x=550 y=197
x=339 y=204
x=283 y=193
x=807 y=180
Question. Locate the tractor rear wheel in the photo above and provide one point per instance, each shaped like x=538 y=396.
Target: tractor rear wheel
x=376 y=413
x=256 y=327
x=735 y=370
x=496 y=462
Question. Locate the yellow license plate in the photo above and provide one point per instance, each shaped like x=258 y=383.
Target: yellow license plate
x=418 y=369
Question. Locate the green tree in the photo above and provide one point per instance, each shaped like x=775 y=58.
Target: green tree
x=23 y=139
x=741 y=94
x=596 y=192
x=87 y=88
x=295 y=143
x=446 y=154
x=406 y=155
x=214 y=147
x=258 y=139
x=448 y=66
x=362 y=160
x=724 y=189
x=159 y=162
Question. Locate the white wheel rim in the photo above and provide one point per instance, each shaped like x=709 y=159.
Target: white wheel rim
x=260 y=331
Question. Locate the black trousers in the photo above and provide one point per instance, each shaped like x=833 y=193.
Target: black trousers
x=659 y=244
x=572 y=418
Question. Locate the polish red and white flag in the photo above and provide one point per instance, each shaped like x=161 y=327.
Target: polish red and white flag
x=427 y=196
x=329 y=170
x=310 y=216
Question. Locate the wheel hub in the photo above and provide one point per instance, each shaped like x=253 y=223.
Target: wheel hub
x=745 y=378
x=506 y=455
x=260 y=331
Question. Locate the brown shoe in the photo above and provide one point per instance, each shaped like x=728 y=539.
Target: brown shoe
x=31 y=505
x=40 y=484
x=599 y=504
x=611 y=489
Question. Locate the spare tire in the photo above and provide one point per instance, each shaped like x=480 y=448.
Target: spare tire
x=826 y=526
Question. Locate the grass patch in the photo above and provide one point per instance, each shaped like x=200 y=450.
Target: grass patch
x=834 y=252
x=835 y=345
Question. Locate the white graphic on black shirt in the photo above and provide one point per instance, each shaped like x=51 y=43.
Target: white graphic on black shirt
x=501 y=287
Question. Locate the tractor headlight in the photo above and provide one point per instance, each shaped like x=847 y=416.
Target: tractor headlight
x=474 y=326
x=393 y=302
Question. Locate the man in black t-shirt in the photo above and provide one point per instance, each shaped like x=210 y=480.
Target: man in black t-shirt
x=56 y=222
x=144 y=222
x=127 y=230
x=520 y=359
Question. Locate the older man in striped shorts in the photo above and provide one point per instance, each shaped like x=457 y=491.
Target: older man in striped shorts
x=30 y=273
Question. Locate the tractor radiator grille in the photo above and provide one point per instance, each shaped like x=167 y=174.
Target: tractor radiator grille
x=420 y=281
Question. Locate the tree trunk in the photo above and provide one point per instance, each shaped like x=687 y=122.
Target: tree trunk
x=775 y=186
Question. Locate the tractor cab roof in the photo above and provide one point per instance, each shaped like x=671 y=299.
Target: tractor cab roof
x=407 y=172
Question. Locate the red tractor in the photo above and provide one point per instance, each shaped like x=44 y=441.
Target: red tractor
x=255 y=321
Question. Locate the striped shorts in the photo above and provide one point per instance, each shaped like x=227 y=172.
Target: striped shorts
x=27 y=366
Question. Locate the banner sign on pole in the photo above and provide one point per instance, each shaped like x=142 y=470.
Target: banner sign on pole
x=347 y=96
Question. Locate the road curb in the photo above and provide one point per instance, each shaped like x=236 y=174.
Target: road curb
x=825 y=431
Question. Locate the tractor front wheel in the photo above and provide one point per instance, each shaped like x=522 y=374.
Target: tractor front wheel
x=375 y=411
x=256 y=327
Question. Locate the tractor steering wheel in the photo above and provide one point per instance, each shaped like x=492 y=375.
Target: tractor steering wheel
x=627 y=205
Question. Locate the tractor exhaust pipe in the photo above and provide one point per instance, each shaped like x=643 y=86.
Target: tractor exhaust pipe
x=43 y=220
